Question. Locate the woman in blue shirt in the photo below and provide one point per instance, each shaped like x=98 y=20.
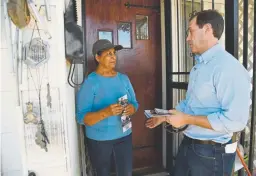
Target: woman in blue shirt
x=98 y=109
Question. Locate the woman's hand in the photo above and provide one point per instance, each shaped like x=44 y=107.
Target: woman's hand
x=114 y=109
x=129 y=110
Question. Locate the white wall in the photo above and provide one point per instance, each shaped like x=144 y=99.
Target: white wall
x=11 y=150
x=19 y=153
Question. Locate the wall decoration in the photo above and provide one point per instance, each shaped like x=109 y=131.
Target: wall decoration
x=142 y=27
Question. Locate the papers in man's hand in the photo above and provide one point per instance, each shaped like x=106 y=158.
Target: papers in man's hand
x=162 y=111
x=156 y=112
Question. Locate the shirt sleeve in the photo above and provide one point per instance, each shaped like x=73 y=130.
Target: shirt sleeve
x=133 y=100
x=84 y=101
x=181 y=106
x=233 y=93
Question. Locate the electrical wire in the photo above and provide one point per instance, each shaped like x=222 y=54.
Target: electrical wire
x=243 y=162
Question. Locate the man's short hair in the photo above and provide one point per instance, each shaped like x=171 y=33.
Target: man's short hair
x=212 y=17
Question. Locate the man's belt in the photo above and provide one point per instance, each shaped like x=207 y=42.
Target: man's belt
x=206 y=142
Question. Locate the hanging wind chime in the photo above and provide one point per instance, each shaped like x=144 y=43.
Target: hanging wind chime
x=36 y=55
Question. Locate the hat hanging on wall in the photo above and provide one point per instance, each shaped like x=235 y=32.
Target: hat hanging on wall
x=19 y=13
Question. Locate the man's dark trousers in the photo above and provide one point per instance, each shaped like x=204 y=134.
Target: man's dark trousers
x=194 y=159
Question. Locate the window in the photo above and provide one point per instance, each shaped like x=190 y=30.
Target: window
x=124 y=36
x=105 y=34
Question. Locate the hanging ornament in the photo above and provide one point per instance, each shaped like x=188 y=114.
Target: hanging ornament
x=49 y=98
x=36 y=54
x=41 y=137
x=30 y=116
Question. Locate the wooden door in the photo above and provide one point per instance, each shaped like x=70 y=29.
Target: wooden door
x=142 y=63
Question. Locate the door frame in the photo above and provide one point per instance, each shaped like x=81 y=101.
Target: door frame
x=82 y=150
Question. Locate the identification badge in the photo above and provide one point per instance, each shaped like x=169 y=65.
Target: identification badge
x=126 y=123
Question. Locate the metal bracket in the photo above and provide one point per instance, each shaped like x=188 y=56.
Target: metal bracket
x=129 y=5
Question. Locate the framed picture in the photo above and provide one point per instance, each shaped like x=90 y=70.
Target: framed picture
x=124 y=34
x=142 y=27
x=105 y=34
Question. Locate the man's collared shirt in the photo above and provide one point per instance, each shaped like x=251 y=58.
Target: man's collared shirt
x=219 y=88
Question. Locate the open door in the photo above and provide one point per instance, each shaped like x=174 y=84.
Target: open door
x=136 y=26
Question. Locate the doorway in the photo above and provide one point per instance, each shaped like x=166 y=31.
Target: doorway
x=136 y=26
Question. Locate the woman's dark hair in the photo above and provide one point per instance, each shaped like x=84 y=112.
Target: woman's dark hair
x=212 y=17
x=98 y=53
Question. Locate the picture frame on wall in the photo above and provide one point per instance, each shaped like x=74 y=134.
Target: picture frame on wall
x=105 y=34
x=142 y=30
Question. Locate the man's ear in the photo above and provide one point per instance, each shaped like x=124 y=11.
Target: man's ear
x=208 y=28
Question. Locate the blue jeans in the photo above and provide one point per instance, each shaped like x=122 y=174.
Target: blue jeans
x=100 y=153
x=203 y=160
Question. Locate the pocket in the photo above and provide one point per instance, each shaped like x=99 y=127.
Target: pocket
x=228 y=160
x=204 y=151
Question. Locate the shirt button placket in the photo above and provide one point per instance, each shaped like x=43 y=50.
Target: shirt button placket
x=196 y=72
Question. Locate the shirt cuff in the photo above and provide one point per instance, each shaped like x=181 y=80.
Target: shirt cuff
x=80 y=119
x=136 y=106
x=178 y=107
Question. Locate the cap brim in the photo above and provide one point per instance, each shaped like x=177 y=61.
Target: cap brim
x=118 y=47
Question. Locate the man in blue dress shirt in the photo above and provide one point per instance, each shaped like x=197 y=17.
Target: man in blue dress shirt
x=216 y=105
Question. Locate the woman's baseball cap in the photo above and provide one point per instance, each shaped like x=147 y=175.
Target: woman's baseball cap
x=103 y=44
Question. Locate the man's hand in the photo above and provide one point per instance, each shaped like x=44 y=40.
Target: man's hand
x=177 y=118
x=155 y=121
x=129 y=110
x=114 y=109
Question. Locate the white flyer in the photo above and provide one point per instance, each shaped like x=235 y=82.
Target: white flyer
x=231 y=148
